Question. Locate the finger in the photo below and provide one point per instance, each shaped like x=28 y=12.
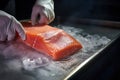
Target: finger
x=3 y=37
x=43 y=19
x=11 y=36
x=2 y=34
x=10 y=31
x=19 y=28
x=48 y=14
x=34 y=17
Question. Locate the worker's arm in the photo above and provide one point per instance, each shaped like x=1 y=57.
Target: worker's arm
x=43 y=12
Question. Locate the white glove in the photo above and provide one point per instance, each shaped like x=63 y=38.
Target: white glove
x=43 y=12
x=9 y=26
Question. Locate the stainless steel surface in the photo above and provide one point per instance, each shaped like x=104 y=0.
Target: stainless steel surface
x=110 y=29
x=87 y=61
x=56 y=70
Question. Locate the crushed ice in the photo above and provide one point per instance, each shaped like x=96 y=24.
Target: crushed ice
x=32 y=63
x=89 y=42
x=42 y=67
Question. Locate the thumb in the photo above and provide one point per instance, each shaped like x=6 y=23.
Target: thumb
x=19 y=28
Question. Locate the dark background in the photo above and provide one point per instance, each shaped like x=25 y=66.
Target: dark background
x=96 y=9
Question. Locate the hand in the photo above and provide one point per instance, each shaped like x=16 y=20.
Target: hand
x=43 y=12
x=9 y=26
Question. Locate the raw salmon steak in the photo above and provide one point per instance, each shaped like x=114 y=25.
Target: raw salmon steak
x=50 y=40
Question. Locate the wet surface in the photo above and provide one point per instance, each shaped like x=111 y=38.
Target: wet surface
x=20 y=62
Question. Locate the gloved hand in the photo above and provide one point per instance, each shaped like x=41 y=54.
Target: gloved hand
x=43 y=12
x=9 y=26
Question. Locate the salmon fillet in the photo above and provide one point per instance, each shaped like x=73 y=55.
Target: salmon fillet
x=50 y=40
